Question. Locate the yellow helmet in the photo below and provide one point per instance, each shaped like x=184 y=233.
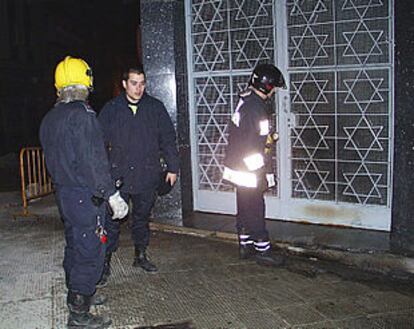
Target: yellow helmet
x=73 y=71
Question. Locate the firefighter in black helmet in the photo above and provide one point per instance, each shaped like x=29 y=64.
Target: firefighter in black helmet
x=248 y=165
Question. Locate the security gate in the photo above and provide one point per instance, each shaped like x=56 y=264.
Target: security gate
x=333 y=160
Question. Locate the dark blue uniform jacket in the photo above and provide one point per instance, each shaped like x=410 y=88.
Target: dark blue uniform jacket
x=73 y=145
x=135 y=142
x=245 y=139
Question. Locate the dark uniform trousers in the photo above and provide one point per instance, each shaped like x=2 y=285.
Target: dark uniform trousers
x=251 y=213
x=142 y=204
x=84 y=251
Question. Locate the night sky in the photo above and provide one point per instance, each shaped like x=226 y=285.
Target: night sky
x=37 y=34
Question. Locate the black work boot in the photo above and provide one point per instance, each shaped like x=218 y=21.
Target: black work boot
x=141 y=260
x=265 y=256
x=246 y=247
x=246 y=251
x=268 y=258
x=79 y=315
x=106 y=272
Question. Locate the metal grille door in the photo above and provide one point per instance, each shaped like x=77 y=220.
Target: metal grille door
x=226 y=40
x=333 y=160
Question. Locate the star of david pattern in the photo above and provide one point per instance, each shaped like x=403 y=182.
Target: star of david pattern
x=232 y=36
x=213 y=98
x=340 y=145
x=339 y=67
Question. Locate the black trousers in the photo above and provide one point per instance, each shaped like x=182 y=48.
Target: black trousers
x=84 y=252
x=142 y=204
x=251 y=213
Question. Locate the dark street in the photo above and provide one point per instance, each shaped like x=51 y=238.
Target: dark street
x=201 y=283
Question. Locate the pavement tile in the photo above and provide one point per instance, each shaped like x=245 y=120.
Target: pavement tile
x=318 y=325
x=396 y=320
x=361 y=322
x=300 y=314
x=200 y=281
x=308 y=290
x=349 y=288
x=27 y=286
x=385 y=302
x=336 y=309
x=27 y=314
x=262 y=320
x=218 y=321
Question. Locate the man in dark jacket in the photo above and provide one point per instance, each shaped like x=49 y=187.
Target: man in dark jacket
x=137 y=130
x=73 y=145
x=248 y=166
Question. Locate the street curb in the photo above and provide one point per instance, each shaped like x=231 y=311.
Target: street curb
x=387 y=264
x=232 y=237
x=383 y=263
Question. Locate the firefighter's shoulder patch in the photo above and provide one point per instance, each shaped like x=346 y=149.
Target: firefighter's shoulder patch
x=88 y=108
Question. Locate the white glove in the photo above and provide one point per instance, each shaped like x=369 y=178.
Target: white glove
x=118 y=206
x=270 y=180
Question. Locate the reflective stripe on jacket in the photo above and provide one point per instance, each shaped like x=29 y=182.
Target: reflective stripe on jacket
x=245 y=161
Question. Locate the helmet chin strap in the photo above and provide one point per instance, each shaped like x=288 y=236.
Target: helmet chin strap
x=90 y=88
x=259 y=93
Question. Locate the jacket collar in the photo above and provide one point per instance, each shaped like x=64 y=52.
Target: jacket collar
x=124 y=99
x=257 y=97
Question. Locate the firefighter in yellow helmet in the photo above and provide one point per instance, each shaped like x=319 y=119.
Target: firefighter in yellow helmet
x=248 y=166
x=73 y=71
x=76 y=159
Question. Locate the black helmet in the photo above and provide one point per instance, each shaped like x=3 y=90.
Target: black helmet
x=265 y=77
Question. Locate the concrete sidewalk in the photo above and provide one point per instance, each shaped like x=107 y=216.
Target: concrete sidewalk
x=201 y=283
x=365 y=250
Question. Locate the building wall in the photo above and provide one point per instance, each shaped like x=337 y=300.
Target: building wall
x=403 y=194
x=164 y=51
x=163 y=48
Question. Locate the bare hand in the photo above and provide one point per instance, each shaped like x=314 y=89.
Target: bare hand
x=171 y=178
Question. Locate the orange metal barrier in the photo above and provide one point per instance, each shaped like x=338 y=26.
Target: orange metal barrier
x=35 y=181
